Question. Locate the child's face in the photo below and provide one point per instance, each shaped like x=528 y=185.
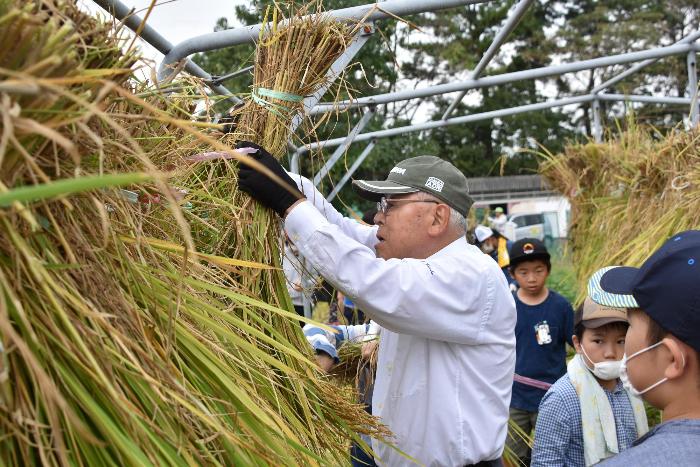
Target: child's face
x=325 y=361
x=606 y=343
x=531 y=276
x=644 y=369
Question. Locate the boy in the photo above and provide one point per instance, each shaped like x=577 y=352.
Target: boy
x=662 y=349
x=545 y=324
x=325 y=343
x=587 y=416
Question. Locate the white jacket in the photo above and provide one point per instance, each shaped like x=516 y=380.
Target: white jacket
x=447 y=351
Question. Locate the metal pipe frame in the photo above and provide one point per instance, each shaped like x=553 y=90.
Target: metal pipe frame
x=689 y=39
x=355 y=165
x=597 y=127
x=644 y=99
x=510 y=24
x=369 y=12
x=450 y=121
x=334 y=71
x=493 y=114
x=124 y=13
x=343 y=147
x=693 y=88
x=505 y=78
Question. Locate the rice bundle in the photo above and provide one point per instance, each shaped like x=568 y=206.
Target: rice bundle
x=133 y=331
x=628 y=195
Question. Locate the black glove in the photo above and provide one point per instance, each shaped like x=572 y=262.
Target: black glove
x=262 y=188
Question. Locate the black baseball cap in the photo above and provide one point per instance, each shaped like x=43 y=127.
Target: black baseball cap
x=527 y=249
x=428 y=174
x=667 y=286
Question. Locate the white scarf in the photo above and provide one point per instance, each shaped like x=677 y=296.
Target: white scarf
x=597 y=419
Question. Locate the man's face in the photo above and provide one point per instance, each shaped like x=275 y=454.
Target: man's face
x=531 y=276
x=403 y=228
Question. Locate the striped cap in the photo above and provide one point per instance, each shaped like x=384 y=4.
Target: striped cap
x=601 y=297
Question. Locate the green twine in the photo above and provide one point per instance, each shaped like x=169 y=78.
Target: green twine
x=277 y=109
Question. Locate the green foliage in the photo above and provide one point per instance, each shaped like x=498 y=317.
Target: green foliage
x=595 y=28
x=451 y=42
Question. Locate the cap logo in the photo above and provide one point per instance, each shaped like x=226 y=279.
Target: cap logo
x=434 y=184
x=398 y=170
x=528 y=248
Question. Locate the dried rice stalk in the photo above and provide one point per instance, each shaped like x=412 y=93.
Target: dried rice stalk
x=628 y=194
x=136 y=332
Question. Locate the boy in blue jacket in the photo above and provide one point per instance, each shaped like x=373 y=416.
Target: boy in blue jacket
x=545 y=324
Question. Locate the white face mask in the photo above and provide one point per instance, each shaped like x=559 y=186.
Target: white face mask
x=624 y=377
x=487 y=248
x=607 y=370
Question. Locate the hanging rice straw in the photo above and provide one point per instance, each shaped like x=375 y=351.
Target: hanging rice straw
x=628 y=194
x=143 y=315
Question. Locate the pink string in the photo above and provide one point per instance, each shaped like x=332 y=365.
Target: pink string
x=210 y=156
x=531 y=382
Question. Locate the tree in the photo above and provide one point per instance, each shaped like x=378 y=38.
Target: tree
x=456 y=42
x=373 y=70
x=451 y=43
x=596 y=28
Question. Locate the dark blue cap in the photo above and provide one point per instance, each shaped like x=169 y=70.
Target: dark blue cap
x=527 y=249
x=667 y=286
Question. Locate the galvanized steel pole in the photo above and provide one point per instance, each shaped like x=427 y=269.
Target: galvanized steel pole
x=645 y=99
x=597 y=129
x=151 y=36
x=693 y=88
x=543 y=72
x=369 y=12
x=512 y=21
x=355 y=165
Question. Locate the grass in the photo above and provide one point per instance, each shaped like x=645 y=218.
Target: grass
x=562 y=278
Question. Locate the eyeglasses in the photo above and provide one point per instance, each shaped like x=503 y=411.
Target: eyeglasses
x=385 y=205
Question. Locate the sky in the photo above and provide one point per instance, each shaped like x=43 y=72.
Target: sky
x=177 y=20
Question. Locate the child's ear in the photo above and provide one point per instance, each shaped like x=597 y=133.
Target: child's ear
x=577 y=343
x=678 y=363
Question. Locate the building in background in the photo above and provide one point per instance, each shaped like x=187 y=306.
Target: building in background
x=533 y=209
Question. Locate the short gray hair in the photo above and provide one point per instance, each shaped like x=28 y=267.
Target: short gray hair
x=457 y=220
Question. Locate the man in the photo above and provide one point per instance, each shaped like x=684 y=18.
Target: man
x=447 y=351
x=498 y=222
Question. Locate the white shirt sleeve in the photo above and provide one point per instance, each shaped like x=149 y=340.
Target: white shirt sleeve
x=441 y=300
x=365 y=234
x=373 y=332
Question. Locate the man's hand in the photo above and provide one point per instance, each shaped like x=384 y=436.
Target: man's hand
x=264 y=189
